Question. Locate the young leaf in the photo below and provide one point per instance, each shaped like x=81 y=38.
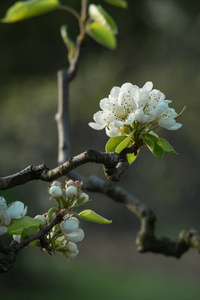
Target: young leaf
x=124 y=143
x=114 y=142
x=131 y=157
x=99 y=15
x=68 y=42
x=168 y=149
x=91 y=216
x=27 y=9
x=120 y=3
x=17 y=226
x=151 y=142
x=102 y=35
x=29 y=231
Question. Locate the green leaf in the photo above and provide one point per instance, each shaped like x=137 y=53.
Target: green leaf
x=114 y=142
x=17 y=226
x=68 y=42
x=168 y=149
x=131 y=157
x=29 y=231
x=99 y=15
x=119 y=3
x=26 y=9
x=51 y=211
x=151 y=141
x=102 y=35
x=124 y=143
x=91 y=216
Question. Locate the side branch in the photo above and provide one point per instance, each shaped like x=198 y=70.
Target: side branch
x=11 y=252
x=114 y=164
x=146 y=238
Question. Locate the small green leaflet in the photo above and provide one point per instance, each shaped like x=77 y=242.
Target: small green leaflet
x=157 y=146
x=68 y=42
x=168 y=149
x=113 y=143
x=118 y=143
x=151 y=142
x=17 y=226
x=91 y=216
x=26 y=9
x=99 y=15
x=120 y=3
x=125 y=143
x=29 y=231
x=131 y=157
x=102 y=35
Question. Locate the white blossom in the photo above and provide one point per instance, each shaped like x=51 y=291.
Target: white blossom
x=131 y=106
x=15 y=211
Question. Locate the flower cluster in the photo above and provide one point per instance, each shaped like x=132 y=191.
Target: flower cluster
x=72 y=195
x=129 y=107
x=15 y=210
x=65 y=235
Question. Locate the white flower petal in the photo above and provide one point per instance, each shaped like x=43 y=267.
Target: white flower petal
x=127 y=87
x=111 y=130
x=140 y=116
x=160 y=108
x=70 y=225
x=176 y=126
x=42 y=219
x=17 y=238
x=148 y=86
x=75 y=236
x=73 y=249
x=16 y=210
x=96 y=126
x=115 y=91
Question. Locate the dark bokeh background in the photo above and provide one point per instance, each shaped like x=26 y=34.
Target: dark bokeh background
x=157 y=41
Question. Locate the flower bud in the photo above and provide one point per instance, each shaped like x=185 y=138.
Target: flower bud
x=84 y=198
x=55 y=191
x=70 y=183
x=70 y=225
x=42 y=219
x=73 y=249
x=75 y=236
x=17 y=238
x=71 y=191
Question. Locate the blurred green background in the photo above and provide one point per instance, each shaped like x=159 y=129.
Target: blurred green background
x=158 y=40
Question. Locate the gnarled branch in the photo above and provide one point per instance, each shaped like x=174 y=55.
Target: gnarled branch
x=115 y=165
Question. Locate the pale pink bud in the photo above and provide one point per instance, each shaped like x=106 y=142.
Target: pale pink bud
x=71 y=191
